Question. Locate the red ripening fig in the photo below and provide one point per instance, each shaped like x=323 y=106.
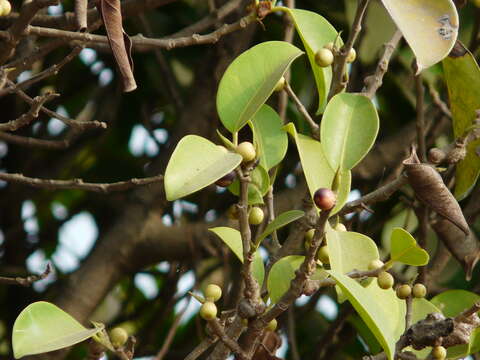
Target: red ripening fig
x=325 y=199
x=226 y=180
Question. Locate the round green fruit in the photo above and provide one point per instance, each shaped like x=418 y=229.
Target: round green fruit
x=352 y=55
x=385 y=280
x=404 y=291
x=340 y=227
x=272 y=325
x=322 y=255
x=375 y=264
x=247 y=151
x=280 y=84
x=309 y=235
x=419 y=290
x=213 y=292
x=439 y=353
x=256 y=216
x=325 y=199
x=324 y=57
x=5 y=7
x=118 y=337
x=208 y=311
x=329 y=46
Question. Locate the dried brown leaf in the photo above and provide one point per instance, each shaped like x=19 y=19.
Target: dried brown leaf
x=466 y=249
x=119 y=41
x=430 y=189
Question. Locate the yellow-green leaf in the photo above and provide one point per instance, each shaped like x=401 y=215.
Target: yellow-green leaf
x=404 y=248
x=280 y=221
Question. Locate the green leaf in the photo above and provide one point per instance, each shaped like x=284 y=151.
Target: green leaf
x=258 y=187
x=233 y=239
x=42 y=327
x=270 y=138
x=318 y=172
x=458 y=72
x=349 y=250
x=348 y=130
x=250 y=79
x=451 y=303
x=381 y=310
x=401 y=217
x=279 y=222
x=429 y=26
x=315 y=32
x=283 y=272
x=195 y=164
x=404 y=248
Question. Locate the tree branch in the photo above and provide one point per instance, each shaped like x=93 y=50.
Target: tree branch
x=29 y=280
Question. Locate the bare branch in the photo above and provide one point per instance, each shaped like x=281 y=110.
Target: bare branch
x=219 y=330
x=313 y=125
x=81 y=14
x=29 y=280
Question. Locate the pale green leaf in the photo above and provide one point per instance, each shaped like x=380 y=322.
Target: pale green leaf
x=42 y=327
x=460 y=71
x=404 y=249
x=257 y=188
x=250 y=79
x=318 y=172
x=429 y=26
x=233 y=239
x=196 y=163
x=315 y=32
x=381 y=310
x=348 y=130
x=269 y=136
x=401 y=217
x=283 y=272
x=279 y=222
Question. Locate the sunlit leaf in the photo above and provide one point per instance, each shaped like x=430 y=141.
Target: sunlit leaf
x=404 y=249
x=257 y=188
x=315 y=32
x=381 y=310
x=401 y=217
x=429 y=26
x=250 y=79
x=269 y=136
x=283 y=272
x=318 y=172
x=348 y=130
x=458 y=72
x=280 y=221
x=43 y=327
x=233 y=239
x=195 y=164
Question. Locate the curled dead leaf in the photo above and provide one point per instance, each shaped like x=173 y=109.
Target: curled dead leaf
x=466 y=249
x=430 y=189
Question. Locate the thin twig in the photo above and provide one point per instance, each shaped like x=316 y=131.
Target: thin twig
x=81 y=14
x=219 y=330
x=201 y=348
x=291 y=333
x=332 y=332
x=409 y=312
x=339 y=82
x=313 y=125
x=422 y=149
x=34 y=142
x=78 y=184
x=375 y=81
x=29 y=280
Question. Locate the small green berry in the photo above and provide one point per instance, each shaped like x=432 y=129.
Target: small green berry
x=309 y=235
x=247 y=151
x=256 y=216
x=329 y=46
x=208 y=311
x=324 y=57
x=419 y=290
x=272 y=325
x=385 y=280
x=404 y=291
x=439 y=353
x=340 y=227
x=375 y=264
x=213 y=292
x=118 y=337
x=280 y=84
x=5 y=7
x=322 y=255
x=352 y=55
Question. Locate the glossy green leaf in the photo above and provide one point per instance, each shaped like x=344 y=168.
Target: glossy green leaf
x=250 y=79
x=451 y=303
x=348 y=250
x=42 y=327
x=429 y=26
x=233 y=239
x=401 y=217
x=280 y=221
x=404 y=249
x=195 y=164
x=315 y=32
x=258 y=187
x=348 y=130
x=270 y=138
x=283 y=272
x=458 y=72
x=381 y=310
x=318 y=172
